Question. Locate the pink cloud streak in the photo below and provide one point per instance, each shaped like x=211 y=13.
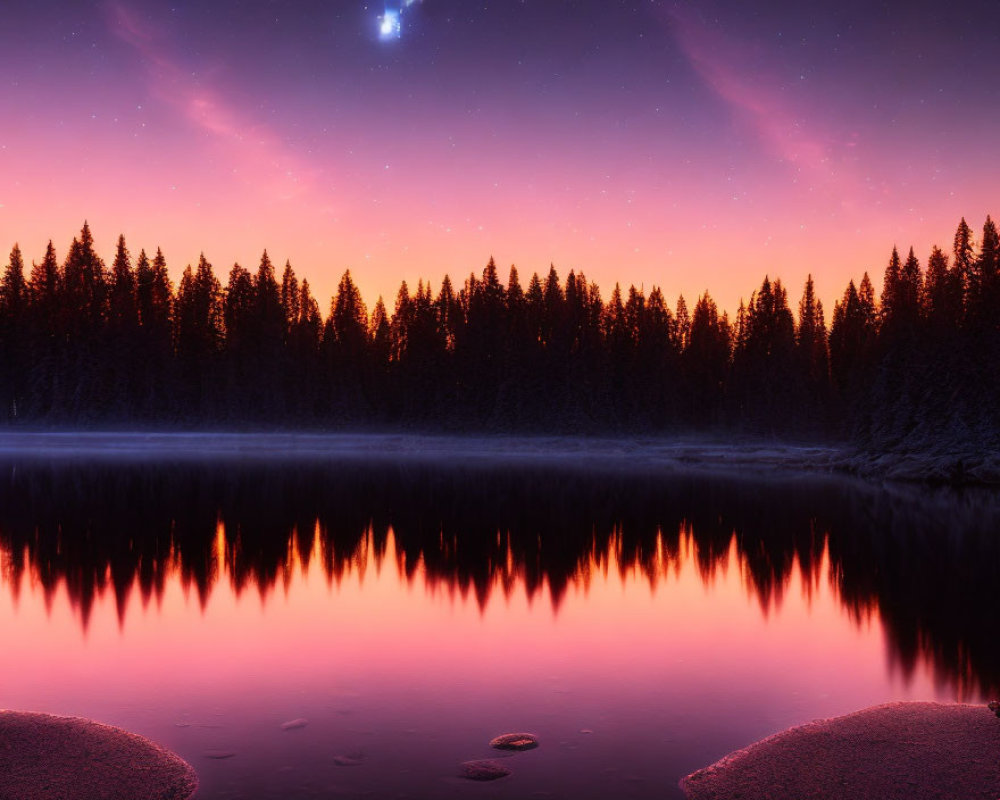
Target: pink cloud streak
x=760 y=100
x=258 y=155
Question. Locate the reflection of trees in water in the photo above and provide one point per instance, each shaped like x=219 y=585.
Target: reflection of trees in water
x=924 y=564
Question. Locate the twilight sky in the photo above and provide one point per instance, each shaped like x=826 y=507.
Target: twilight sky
x=688 y=145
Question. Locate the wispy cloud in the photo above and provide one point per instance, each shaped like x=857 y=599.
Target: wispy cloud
x=257 y=154
x=729 y=68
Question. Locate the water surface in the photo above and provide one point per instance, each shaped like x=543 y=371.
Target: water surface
x=642 y=627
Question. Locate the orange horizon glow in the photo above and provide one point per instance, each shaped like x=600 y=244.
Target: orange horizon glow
x=703 y=163
x=831 y=275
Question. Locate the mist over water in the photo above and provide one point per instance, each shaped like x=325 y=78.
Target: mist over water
x=642 y=626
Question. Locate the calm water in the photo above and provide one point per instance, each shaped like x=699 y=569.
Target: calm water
x=641 y=627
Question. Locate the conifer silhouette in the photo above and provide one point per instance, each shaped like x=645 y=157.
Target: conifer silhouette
x=84 y=344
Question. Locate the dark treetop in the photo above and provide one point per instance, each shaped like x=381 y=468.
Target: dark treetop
x=82 y=343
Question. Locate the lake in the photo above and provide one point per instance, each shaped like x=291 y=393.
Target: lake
x=320 y=629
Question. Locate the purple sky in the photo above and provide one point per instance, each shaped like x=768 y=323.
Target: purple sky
x=688 y=145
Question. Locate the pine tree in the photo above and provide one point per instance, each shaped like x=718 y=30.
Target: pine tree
x=380 y=338
x=514 y=293
x=122 y=350
x=14 y=340
x=764 y=367
x=866 y=303
x=963 y=260
x=659 y=362
x=890 y=287
x=813 y=355
x=200 y=325
x=911 y=287
x=400 y=328
x=289 y=297
x=46 y=329
x=239 y=309
x=937 y=292
x=378 y=332
x=535 y=308
x=706 y=362
x=269 y=312
x=449 y=313
x=13 y=288
x=85 y=285
x=984 y=290
x=44 y=286
x=683 y=327
x=123 y=310
x=154 y=304
x=345 y=341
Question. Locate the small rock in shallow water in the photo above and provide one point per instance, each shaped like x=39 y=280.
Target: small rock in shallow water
x=515 y=741
x=483 y=770
x=291 y=725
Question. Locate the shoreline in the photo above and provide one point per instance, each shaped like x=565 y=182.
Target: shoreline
x=673 y=454
x=911 y=750
x=627 y=453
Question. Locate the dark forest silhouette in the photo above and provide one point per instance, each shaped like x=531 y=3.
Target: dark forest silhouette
x=925 y=564
x=84 y=344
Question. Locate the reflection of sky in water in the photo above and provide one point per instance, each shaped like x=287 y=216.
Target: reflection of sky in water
x=665 y=663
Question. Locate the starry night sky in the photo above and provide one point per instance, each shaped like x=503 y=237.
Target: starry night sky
x=688 y=145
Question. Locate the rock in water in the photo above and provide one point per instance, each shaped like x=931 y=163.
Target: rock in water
x=515 y=741
x=483 y=770
x=50 y=758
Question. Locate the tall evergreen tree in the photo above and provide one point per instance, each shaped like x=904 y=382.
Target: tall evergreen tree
x=345 y=341
x=984 y=289
x=239 y=313
x=938 y=292
x=84 y=303
x=813 y=355
x=13 y=337
x=963 y=259
x=289 y=297
x=200 y=328
x=46 y=326
x=706 y=362
x=122 y=350
x=890 y=286
x=123 y=310
x=682 y=330
x=764 y=373
x=154 y=304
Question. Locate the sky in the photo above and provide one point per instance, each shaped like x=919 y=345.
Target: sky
x=688 y=145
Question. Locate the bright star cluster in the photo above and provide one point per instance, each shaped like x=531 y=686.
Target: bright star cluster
x=390 y=24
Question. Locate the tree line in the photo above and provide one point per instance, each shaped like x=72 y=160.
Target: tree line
x=84 y=343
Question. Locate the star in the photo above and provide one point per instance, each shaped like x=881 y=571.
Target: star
x=390 y=24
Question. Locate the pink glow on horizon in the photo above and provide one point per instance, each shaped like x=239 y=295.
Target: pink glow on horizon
x=406 y=185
